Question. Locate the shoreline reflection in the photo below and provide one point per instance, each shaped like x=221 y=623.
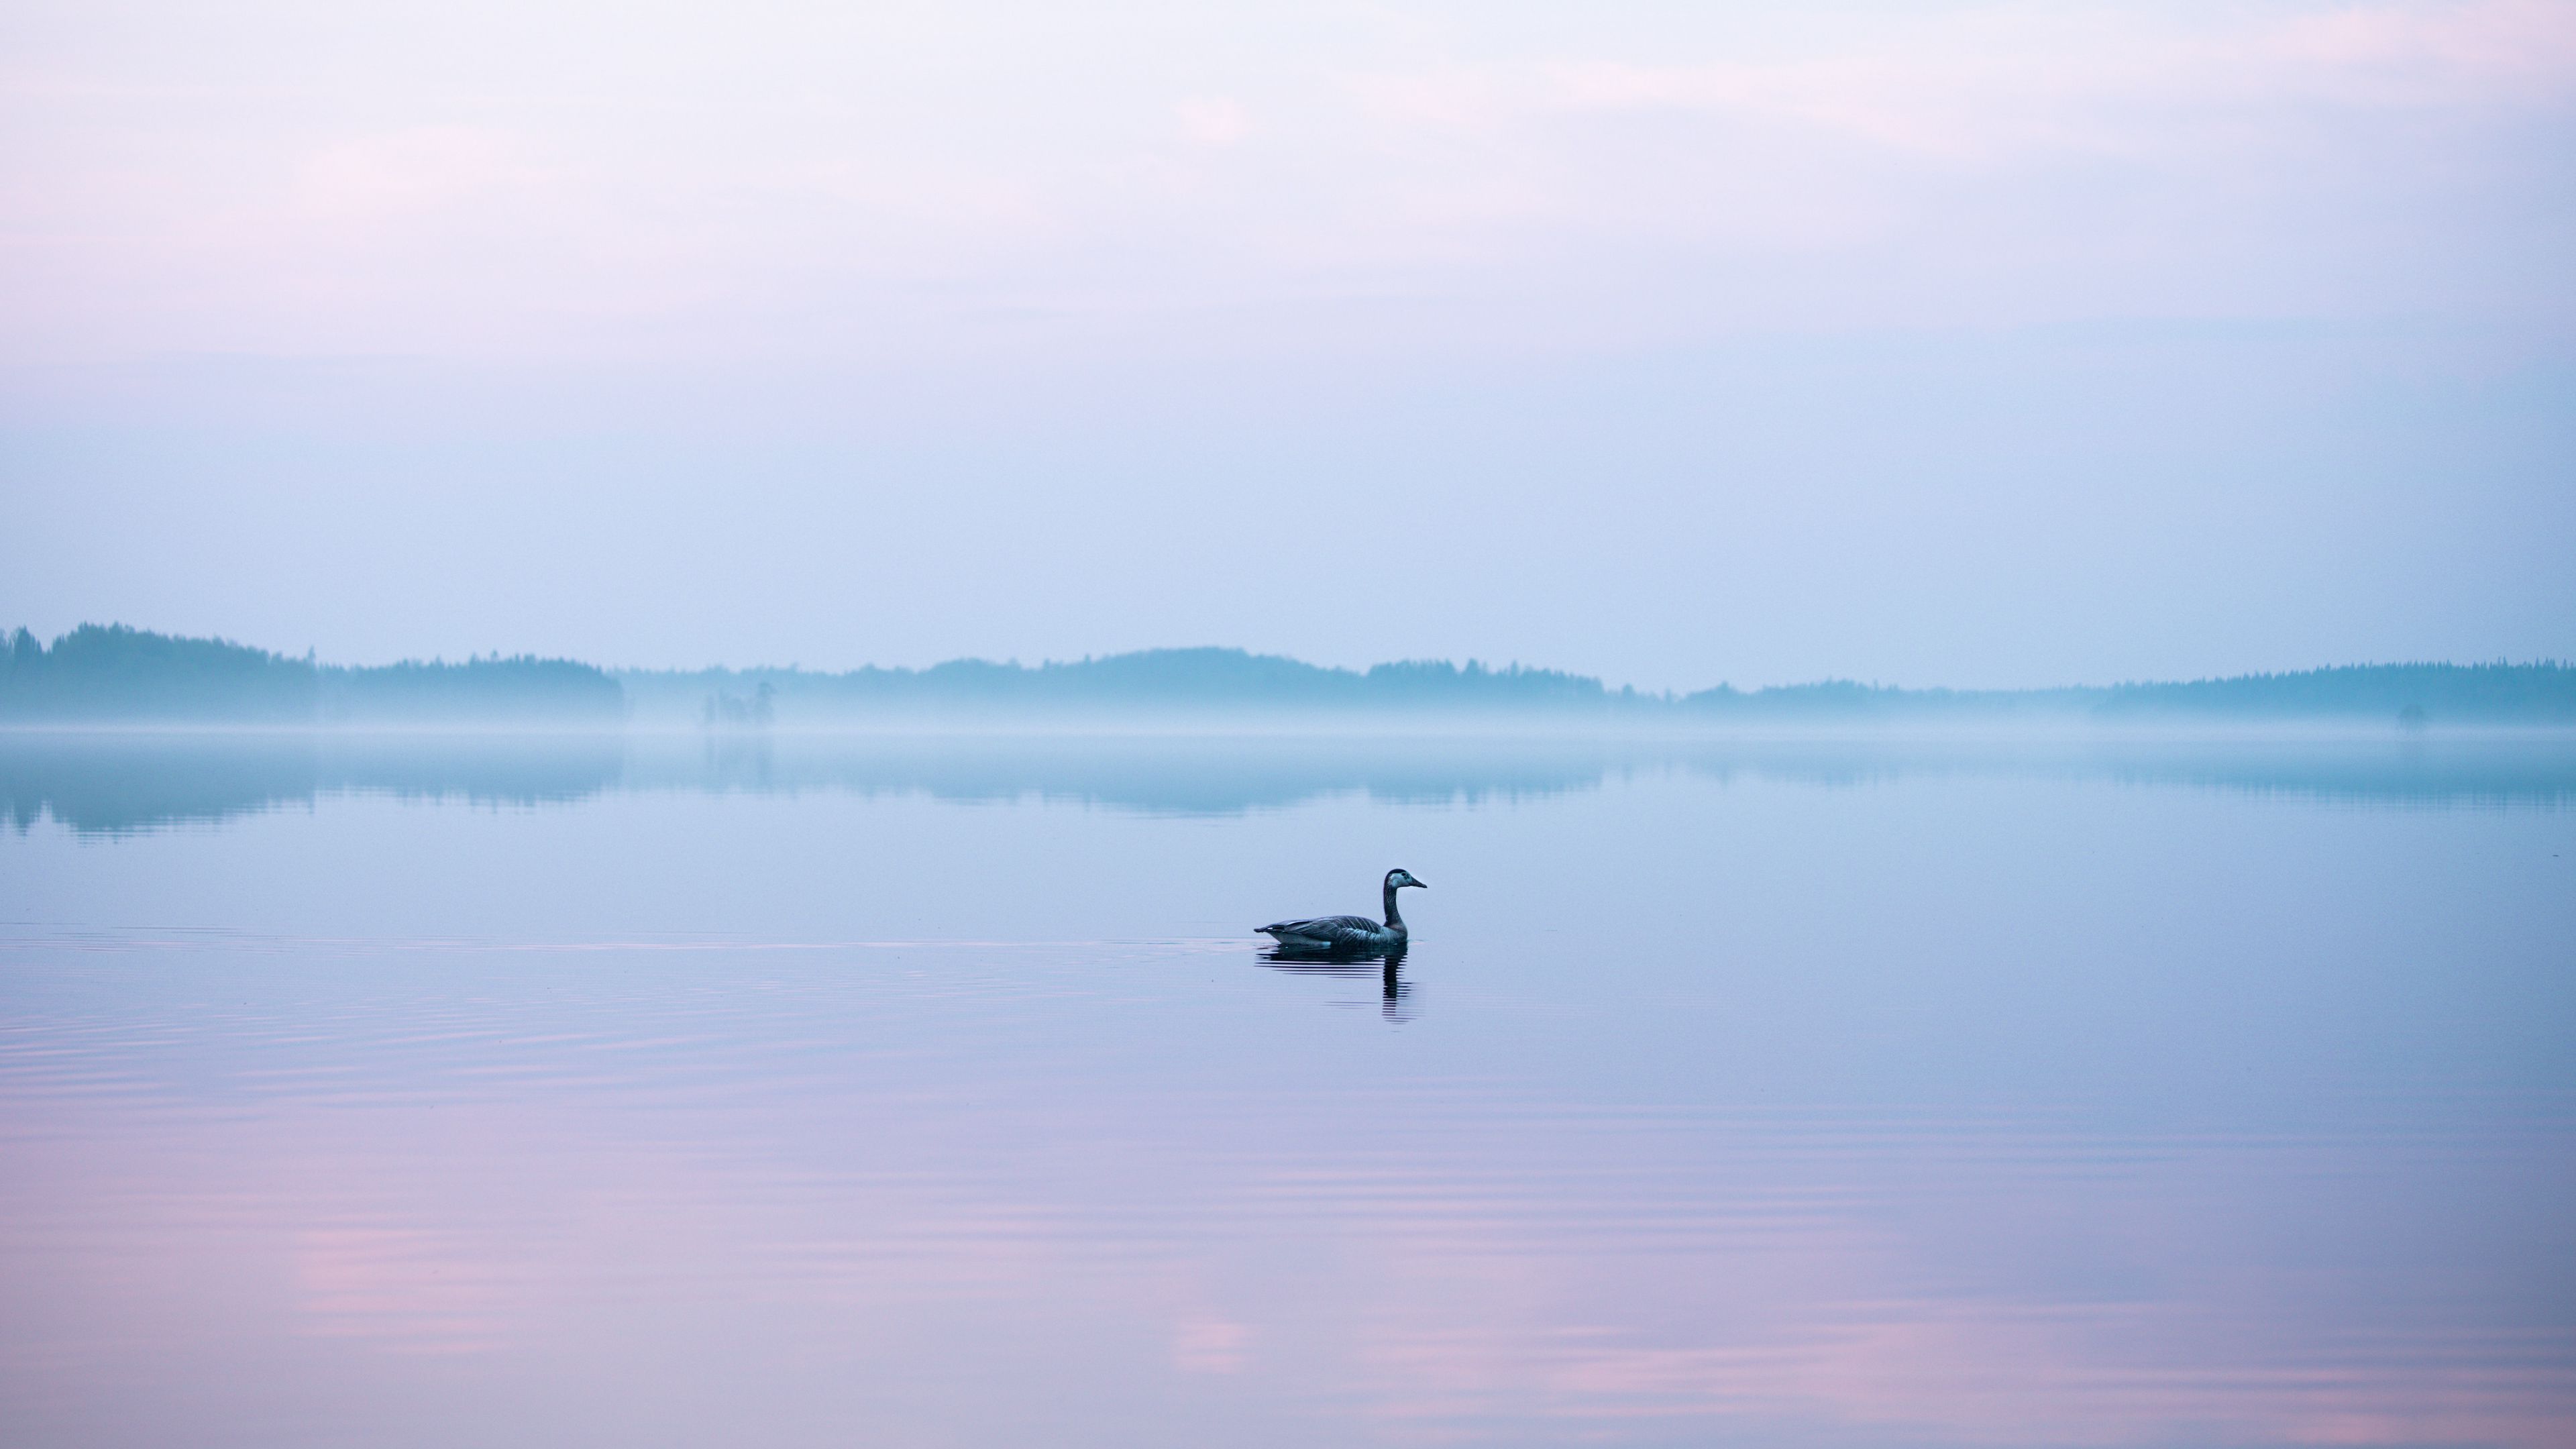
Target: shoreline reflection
x=112 y=783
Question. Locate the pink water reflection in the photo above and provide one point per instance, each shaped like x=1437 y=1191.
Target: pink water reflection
x=946 y=1269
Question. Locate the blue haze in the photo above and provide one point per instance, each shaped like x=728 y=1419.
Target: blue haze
x=2032 y=508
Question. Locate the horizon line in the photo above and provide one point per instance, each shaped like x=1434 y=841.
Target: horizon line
x=1470 y=666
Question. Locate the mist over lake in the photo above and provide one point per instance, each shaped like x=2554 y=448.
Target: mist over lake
x=659 y=1089
x=1412 y=724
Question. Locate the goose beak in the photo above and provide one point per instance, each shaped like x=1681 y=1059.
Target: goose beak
x=1426 y=885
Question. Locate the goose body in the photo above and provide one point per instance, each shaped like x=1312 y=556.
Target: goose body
x=1349 y=933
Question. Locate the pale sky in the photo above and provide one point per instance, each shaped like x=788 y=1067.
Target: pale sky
x=1974 y=344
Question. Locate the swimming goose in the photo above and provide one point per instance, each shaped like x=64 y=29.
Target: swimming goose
x=1348 y=933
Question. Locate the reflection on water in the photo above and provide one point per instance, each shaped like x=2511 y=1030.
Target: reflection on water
x=115 y=782
x=108 y=783
x=1793 y=1094
x=1384 y=968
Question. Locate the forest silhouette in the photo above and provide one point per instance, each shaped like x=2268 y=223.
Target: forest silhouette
x=118 y=674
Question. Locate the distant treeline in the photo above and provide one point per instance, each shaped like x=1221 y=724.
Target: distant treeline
x=1223 y=681
x=1155 y=681
x=2407 y=695
x=116 y=673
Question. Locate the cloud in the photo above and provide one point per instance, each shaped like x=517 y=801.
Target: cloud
x=861 y=182
x=414 y=171
x=1986 y=84
x=1213 y=120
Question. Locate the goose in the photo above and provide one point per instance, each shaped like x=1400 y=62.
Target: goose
x=1348 y=933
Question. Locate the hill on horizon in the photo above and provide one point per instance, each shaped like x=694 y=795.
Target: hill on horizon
x=116 y=673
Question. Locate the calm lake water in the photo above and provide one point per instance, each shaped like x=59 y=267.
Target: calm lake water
x=885 y=1092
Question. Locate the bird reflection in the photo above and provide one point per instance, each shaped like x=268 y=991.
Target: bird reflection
x=1395 y=1006
x=1395 y=994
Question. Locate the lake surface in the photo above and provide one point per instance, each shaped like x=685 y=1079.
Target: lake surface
x=895 y=1092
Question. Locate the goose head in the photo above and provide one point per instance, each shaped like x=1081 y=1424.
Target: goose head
x=1399 y=878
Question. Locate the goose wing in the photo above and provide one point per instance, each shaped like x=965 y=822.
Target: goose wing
x=1328 y=930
